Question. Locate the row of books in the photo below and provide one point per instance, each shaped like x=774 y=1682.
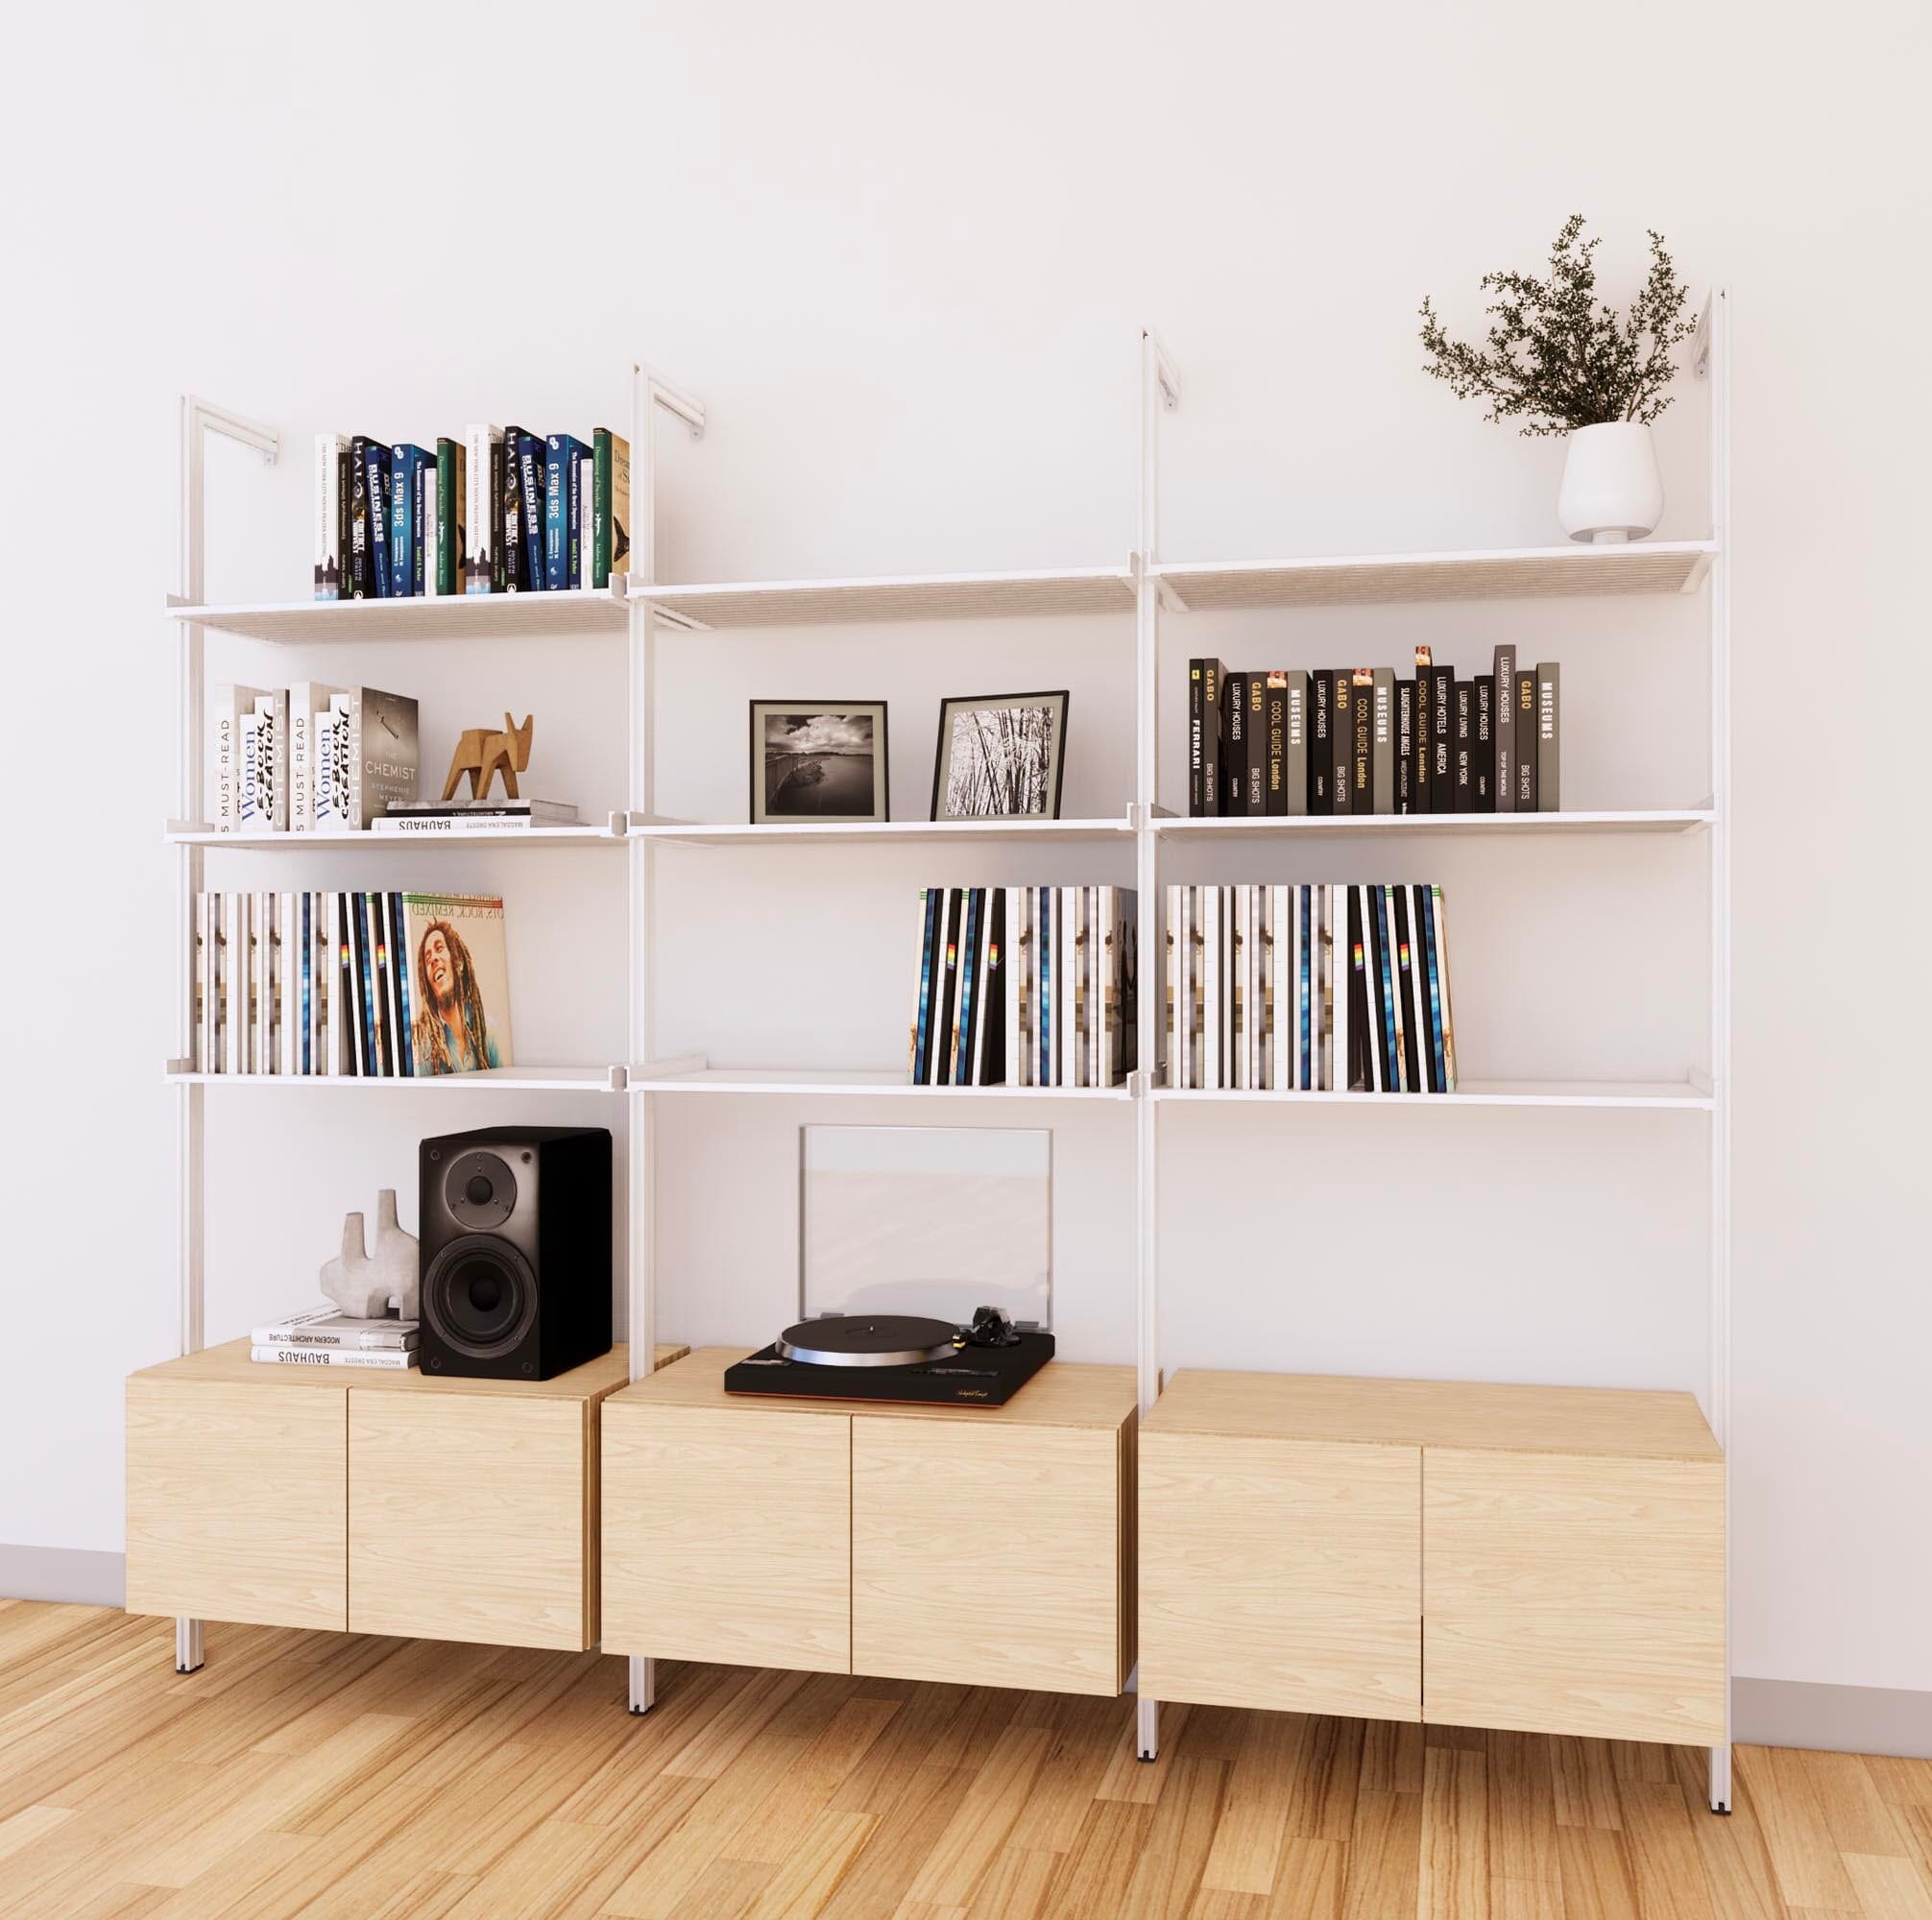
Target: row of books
x=1363 y=741
x=1309 y=989
x=499 y=511
x=1025 y=987
x=324 y=1337
x=309 y=757
x=374 y=985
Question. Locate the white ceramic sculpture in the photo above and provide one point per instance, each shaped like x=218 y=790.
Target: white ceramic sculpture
x=363 y=1285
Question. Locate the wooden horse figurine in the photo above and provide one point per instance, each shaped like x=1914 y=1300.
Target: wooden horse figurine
x=483 y=753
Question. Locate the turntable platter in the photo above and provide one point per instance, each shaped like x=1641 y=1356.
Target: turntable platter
x=862 y=1340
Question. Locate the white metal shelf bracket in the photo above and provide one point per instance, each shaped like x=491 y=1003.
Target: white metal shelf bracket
x=650 y=393
x=197 y=419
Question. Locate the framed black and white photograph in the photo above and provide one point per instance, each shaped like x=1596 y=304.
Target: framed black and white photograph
x=818 y=760
x=999 y=756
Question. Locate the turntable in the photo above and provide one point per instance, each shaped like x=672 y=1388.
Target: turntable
x=898 y=1356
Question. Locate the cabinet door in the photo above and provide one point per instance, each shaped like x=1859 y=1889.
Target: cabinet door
x=469 y=1518
x=727 y=1536
x=1281 y=1573
x=237 y=1502
x=1574 y=1595
x=988 y=1553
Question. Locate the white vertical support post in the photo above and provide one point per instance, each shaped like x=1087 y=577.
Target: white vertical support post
x=1158 y=388
x=1713 y=365
x=196 y=420
x=648 y=394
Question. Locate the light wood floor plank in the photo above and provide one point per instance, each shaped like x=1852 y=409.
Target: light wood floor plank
x=345 y=1777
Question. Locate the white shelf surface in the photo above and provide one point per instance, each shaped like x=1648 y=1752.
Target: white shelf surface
x=487 y=837
x=907 y=596
x=1383 y=578
x=501 y=1079
x=1675 y=1094
x=889 y=832
x=453 y=616
x=847 y=1081
x=1481 y=825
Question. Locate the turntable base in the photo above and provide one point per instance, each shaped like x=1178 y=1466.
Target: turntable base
x=962 y=1377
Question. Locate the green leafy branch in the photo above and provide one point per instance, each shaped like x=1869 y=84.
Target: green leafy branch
x=1557 y=356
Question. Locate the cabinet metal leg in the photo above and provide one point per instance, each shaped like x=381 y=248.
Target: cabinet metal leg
x=1147 y=1729
x=188 y=1650
x=643 y=1684
x=1719 y=1778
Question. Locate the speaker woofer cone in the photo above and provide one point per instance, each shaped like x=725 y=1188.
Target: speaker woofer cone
x=479 y=1296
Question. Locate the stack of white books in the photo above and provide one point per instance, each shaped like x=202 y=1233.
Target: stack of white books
x=326 y=1337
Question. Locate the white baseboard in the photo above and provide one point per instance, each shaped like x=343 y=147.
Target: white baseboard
x=62 y=1574
x=1837 y=1720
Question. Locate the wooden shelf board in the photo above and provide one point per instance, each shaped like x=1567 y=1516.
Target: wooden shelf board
x=513 y=1079
x=1633 y=1423
x=903 y=597
x=737 y=833
x=840 y=1081
x=1482 y=1094
x=453 y=616
x=1383 y=578
x=230 y=1363
x=1481 y=826
x=1063 y=1394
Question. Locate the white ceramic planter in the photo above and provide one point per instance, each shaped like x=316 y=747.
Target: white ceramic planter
x=1612 y=491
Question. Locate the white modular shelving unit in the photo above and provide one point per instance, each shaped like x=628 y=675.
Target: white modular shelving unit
x=643 y=611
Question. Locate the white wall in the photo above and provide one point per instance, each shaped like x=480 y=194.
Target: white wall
x=903 y=254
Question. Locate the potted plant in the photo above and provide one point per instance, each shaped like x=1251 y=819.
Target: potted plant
x=1565 y=362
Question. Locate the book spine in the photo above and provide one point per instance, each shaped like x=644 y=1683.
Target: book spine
x=1382 y=743
x=222 y=717
x=1405 y=747
x=429 y=531
x=1464 y=763
x=453 y=503
x=1395 y=984
x=1212 y=674
x=328 y=518
x=1362 y=750
x=1504 y=681
x=1254 y=796
x=1549 y=736
x=1195 y=808
x=361 y=554
x=556 y=515
x=583 y=512
x=510 y=512
x=482 y=515
x=1527 y=794
x=1448 y=1019
x=1441 y=739
x=600 y=495
x=1295 y=771
x=381 y=483
x=1420 y=785
x=317 y=1357
x=969 y=988
x=1234 y=745
x=1485 y=685
x=422 y=504
x=402 y=524
x=1274 y=737
x=1320 y=747
x=530 y=467
x=1341 y=731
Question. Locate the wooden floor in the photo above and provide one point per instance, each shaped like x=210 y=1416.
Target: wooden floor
x=394 y=1780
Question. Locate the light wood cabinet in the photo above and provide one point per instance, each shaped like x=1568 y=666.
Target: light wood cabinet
x=237 y=1500
x=987 y=1544
x=727 y=1534
x=379 y=1503
x=1575 y=1595
x=1281 y=1573
x=1542 y=1559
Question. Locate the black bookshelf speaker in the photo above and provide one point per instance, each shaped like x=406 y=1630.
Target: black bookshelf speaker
x=516 y=1251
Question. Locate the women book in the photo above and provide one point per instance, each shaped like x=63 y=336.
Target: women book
x=457 y=978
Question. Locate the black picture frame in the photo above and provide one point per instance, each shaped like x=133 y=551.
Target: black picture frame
x=1057 y=776
x=761 y=814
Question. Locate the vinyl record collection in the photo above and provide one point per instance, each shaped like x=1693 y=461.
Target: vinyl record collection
x=1025 y=987
x=1309 y=989
x=378 y=986
x=1363 y=741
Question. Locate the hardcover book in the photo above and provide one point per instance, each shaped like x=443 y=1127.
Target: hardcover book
x=380 y=751
x=329 y=451
x=1362 y=751
x=1234 y=745
x=1321 y=741
x=1441 y=739
x=1463 y=763
x=1549 y=736
x=324 y=1327
x=483 y=508
x=1254 y=798
x=611 y=493
x=1275 y=741
x=1342 y=729
x=1297 y=741
x=1424 y=795
x=1382 y=742
x=1504 y=683
x=1405 y=747
x=563 y=465
x=408 y=465
x=1195 y=808
x=1527 y=797
x=1484 y=689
